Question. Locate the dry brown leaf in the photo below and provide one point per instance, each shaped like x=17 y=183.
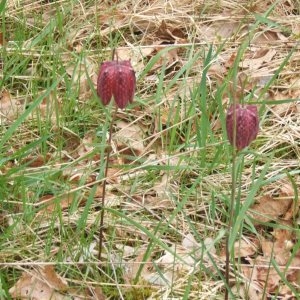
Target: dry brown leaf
x=230 y=61
x=163 y=279
x=268 y=208
x=133 y=265
x=130 y=134
x=49 y=203
x=173 y=35
x=268 y=37
x=225 y=29
x=97 y=293
x=109 y=16
x=262 y=274
x=293 y=273
x=283 y=235
x=9 y=107
x=283 y=109
x=286 y=293
x=257 y=59
x=172 y=56
x=250 y=272
x=217 y=70
x=127 y=251
x=189 y=242
x=276 y=250
x=136 y=56
x=268 y=278
x=89 y=159
x=29 y=287
x=53 y=279
x=170 y=266
x=93 y=294
x=281 y=247
x=287 y=192
x=245 y=248
x=89 y=293
x=221 y=29
x=42 y=283
x=37 y=160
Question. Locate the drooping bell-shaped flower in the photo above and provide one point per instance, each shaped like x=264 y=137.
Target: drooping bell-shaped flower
x=247 y=124
x=117 y=79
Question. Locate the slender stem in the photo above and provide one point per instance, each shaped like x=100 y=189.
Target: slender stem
x=231 y=207
x=104 y=183
x=113 y=52
x=105 y=174
x=230 y=223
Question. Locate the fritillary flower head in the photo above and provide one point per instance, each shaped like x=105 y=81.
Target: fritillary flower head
x=247 y=125
x=116 y=79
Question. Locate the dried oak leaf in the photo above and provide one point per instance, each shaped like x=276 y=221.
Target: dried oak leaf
x=245 y=248
x=276 y=250
x=268 y=208
x=39 y=284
